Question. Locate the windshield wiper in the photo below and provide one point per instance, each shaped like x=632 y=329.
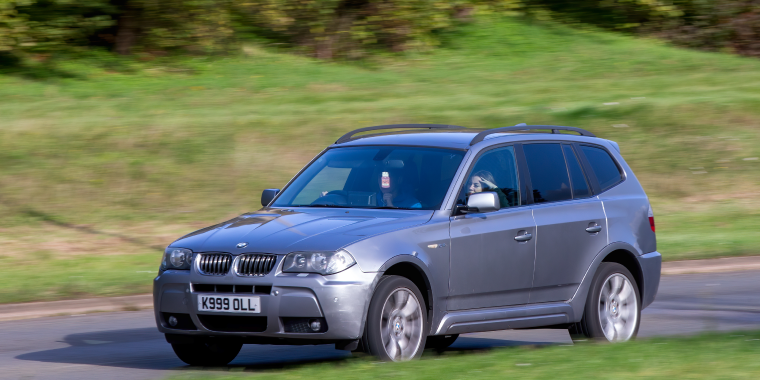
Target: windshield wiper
x=323 y=205
x=388 y=208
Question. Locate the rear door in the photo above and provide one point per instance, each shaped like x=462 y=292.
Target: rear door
x=489 y=267
x=571 y=223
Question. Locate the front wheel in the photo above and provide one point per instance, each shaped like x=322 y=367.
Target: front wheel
x=207 y=354
x=613 y=306
x=396 y=325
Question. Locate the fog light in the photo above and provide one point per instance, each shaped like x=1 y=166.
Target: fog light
x=315 y=325
x=173 y=321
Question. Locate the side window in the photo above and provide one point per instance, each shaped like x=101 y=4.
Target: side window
x=607 y=172
x=548 y=172
x=578 y=180
x=495 y=170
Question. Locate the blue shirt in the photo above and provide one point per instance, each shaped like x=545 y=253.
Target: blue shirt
x=401 y=200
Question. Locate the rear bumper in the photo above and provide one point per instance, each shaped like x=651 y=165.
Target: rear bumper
x=651 y=266
x=341 y=300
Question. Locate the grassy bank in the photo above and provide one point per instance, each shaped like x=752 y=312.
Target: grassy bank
x=711 y=356
x=129 y=147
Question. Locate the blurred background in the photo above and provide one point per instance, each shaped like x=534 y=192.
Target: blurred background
x=125 y=124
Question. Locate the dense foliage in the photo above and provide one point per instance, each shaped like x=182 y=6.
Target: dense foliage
x=347 y=28
x=325 y=28
x=723 y=25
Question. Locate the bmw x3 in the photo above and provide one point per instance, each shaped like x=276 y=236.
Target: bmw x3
x=401 y=237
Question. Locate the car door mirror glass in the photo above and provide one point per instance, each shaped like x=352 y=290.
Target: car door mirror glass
x=486 y=201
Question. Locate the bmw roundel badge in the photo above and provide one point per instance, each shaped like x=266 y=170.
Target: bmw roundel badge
x=242 y=245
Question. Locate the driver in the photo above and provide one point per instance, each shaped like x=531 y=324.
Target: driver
x=394 y=192
x=482 y=181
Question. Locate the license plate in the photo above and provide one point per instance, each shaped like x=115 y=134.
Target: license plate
x=230 y=304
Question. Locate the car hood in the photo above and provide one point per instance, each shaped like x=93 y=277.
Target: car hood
x=302 y=229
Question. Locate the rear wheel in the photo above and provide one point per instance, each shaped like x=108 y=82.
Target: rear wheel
x=396 y=325
x=207 y=354
x=613 y=306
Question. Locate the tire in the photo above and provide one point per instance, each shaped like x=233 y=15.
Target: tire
x=207 y=354
x=440 y=342
x=397 y=325
x=613 y=307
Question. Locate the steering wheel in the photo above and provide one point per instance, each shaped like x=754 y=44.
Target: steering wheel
x=335 y=197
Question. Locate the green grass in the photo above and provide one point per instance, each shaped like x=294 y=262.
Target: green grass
x=119 y=144
x=720 y=231
x=709 y=356
x=50 y=279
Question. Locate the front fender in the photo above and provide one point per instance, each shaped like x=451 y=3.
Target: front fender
x=426 y=247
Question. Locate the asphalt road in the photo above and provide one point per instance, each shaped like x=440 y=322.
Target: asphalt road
x=127 y=345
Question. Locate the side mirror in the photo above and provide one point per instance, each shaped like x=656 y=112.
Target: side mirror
x=269 y=194
x=486 y=201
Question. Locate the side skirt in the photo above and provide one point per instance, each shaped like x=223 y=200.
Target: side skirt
x=516 y=317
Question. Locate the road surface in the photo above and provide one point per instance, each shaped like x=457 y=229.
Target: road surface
x=126 y=345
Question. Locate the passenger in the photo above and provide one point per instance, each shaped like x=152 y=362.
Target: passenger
x=394 y=192
x=482 y=181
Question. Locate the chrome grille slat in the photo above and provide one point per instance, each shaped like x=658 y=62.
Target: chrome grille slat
x=248 y=263
x=255 y=265
x=215 y=264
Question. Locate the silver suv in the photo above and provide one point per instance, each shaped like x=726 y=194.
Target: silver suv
x=391 y=242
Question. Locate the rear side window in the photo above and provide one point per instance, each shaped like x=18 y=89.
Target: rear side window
x=607 y=172
x=548 y=172
x=580 y=186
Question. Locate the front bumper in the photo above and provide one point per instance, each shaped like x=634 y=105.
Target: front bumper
x=341 y=299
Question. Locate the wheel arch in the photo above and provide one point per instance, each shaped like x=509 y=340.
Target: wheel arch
x=405 y=266
x=628 y=260
x=618 y=252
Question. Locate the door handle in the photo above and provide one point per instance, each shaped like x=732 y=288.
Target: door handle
x=524 y=237
x=594 y=229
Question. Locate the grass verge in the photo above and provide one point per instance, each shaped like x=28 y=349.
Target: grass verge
x=50 y=279
x=708 y=356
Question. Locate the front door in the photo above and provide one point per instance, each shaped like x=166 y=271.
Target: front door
x=572 y=226
x=489 y=267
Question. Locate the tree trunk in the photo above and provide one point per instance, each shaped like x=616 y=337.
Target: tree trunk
x=128 y=29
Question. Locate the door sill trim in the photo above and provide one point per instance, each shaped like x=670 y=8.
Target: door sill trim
x=477 y=320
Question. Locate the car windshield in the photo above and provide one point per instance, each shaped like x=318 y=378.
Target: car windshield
x=395 y=177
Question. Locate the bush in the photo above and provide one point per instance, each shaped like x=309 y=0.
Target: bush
x=721 y=25
x=714 y=25
x=347 y=28
x=49 y=25
x=324 y=28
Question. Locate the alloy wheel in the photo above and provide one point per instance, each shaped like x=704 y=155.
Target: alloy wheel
x=401 y=325
x=618 y=308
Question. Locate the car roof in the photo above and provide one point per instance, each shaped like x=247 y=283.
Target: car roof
x=457 y=139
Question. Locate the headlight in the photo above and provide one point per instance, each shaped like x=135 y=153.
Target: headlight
x=318 y=262
x=177 y=258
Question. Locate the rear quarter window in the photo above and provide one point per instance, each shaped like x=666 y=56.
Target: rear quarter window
x=603 y=166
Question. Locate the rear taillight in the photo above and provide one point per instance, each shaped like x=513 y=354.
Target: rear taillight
x=651 y=218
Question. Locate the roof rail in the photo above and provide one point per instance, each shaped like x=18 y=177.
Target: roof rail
x=555 y=129
x=349 y=136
